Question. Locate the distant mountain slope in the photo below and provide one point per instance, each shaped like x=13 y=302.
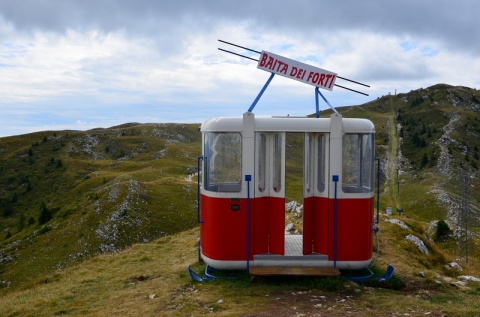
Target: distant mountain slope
x=438 y=129
x=68 y=195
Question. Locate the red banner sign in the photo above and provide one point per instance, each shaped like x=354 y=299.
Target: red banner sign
x=296 y=70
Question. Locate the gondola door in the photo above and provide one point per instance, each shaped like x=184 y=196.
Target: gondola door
x=315 y=193
x=269 y=214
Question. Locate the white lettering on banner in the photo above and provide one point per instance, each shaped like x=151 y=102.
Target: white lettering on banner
x=296 y=70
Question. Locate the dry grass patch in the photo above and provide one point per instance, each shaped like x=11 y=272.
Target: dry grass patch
x=152 y=280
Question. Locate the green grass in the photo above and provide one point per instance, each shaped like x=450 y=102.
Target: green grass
x=88 y=189
x=58 y=268
x=151 y=279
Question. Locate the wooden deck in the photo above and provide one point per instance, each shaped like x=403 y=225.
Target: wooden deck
x=293 y=271
x=293 y=262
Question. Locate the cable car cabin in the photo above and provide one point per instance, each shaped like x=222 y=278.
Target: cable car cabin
x=242 y=193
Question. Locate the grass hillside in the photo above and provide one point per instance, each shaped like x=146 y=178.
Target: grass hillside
x=151 y=279
x=67 y=195
x=103 y=222
x=428 y=141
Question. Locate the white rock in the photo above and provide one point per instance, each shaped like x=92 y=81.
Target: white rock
x=469 y=278
x=289 y=227
x=419 y=243
x=291 y=206
x=432 y=226
x=454 y=265
x=398 y=223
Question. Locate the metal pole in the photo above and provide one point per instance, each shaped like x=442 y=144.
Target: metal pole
x=248 y=178
x=253 y=59
x=331 y=107
x=335 y=180
x=245 y=48
x=261 y=93
x=378 y=189
x=356 y=82
x=200 y=158
x=316 y=102
x=358 y=92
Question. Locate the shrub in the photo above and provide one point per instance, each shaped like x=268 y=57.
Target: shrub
x=44 y=229
x=443 y=231
x=424 y=160
x=45 y=214
x=21 y=221
x=7 y=208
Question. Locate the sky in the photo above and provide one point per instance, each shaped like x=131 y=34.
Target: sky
x=78 y=65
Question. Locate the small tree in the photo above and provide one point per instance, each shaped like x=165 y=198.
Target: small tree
x=423 y=130
x=424 y=160
x=7 y=208
x=422 y=142
x=443 y=231
x=45 y=214
x=21 y=221
x=31 y=221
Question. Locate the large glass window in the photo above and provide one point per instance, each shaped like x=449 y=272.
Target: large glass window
x=262 y=162
x=309 y=162
x=223 y=162
x=357 y=163
x=309 y=151
x=321 y=159
x=277 y=163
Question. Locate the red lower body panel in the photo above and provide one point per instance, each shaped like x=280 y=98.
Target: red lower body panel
x=354 y=240
x=224 y=231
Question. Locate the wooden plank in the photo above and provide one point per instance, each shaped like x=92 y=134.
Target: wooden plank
x=293 y=271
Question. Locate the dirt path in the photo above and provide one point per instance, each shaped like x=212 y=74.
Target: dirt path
x=392 y=161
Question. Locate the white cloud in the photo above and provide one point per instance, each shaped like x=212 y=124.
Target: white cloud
x=110 y=63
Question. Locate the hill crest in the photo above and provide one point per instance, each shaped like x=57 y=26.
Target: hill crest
x=103 y=190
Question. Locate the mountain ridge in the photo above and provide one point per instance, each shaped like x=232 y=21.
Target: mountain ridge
x=103 y=190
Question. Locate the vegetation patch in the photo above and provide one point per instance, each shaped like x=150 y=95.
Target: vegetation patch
x=111 y=212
